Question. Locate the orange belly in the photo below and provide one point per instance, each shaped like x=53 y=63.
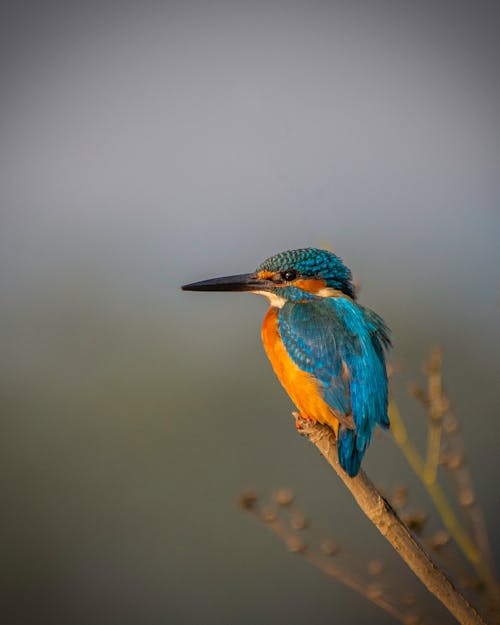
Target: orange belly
x=300 y=386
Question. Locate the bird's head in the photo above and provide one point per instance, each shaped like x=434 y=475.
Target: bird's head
x=293 y=275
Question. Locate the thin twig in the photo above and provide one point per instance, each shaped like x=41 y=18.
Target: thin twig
x=436 y=410
x=443 y=506
x=460 y=474
x=443 y=425
x=382 y=515
x=294 y=543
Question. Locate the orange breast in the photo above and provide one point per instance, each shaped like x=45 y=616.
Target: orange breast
x=300 y=386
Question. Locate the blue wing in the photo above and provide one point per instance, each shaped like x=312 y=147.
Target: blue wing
x=341 y=344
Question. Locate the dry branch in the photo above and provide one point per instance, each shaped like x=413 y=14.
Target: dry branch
x=325 y=558
x=443 y=427
x=433 y=487
x=382 y=515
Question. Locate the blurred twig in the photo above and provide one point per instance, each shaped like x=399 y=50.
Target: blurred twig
x=324 y=560
x=437 y=407
x=442 y=424
x=433 y=487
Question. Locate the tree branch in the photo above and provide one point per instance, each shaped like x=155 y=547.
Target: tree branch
x=382 y=515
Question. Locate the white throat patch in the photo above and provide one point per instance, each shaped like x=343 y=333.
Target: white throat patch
x=274 y=300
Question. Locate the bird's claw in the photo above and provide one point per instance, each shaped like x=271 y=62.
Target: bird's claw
x=298 y=422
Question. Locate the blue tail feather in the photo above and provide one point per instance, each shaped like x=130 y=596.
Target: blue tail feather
x=349 y=451
x=384 y=421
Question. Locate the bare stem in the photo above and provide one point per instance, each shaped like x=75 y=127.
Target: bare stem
x=443 y=424
x=295 y=544
x=385 y=519
x=440 y=500
x=436 y=409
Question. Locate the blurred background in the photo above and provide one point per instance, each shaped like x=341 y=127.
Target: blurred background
x=146 y=145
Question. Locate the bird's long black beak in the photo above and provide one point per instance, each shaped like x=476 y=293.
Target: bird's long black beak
x=241 y=282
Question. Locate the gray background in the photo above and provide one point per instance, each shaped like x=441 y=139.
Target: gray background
x=147 y=145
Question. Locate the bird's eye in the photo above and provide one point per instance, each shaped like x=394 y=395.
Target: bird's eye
x=289 y=275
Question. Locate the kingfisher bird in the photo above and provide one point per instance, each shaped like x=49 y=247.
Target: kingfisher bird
x=327 y=350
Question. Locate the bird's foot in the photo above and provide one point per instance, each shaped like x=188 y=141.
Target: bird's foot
x=300 y=422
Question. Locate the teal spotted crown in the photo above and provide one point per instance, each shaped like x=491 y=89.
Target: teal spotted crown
x=313 y=263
